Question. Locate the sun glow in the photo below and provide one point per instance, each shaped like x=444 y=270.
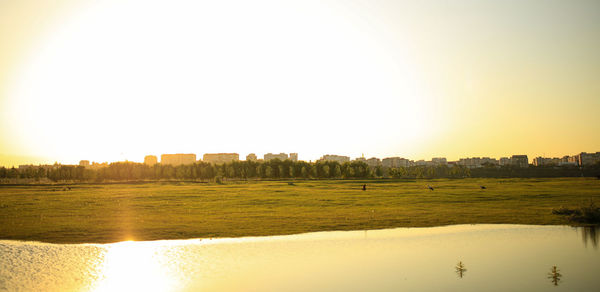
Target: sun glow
x=134 y=266
x=203 y=77
x=113 y=80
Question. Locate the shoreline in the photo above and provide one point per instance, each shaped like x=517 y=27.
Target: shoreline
x=315 y=233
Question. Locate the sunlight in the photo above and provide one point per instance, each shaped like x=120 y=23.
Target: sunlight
x=134 y=266
x=156 y=81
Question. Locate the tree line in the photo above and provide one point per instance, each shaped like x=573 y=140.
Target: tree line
x=277 y=169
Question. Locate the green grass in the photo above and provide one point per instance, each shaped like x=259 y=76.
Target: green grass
x=115 y=212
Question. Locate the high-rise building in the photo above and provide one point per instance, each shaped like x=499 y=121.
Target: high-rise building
x=84 y=163
x=177 y=159
x=220 y=158
x=150 y=160
x=294 y=156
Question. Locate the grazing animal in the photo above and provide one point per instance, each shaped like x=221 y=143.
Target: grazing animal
x=364 y=188
x=430 y=187
x=483 y=187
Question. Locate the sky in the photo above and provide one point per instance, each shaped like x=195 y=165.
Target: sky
x=118 y=80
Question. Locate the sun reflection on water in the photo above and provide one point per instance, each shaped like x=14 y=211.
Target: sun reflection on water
x=135 y=266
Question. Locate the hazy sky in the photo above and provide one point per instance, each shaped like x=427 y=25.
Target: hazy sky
x=115 y=80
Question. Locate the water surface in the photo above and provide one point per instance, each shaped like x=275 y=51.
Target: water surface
x=450 y=258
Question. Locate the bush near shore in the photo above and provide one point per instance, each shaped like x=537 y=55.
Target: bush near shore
x=586 y=214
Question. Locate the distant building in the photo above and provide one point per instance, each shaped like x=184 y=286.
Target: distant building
x=177 y=159
x=373 y=162
x=519 y=161
x=565 y=161
x=394 y=162
x=544 y=161
x=362 y=159
x=220 y=158
x=251 y=157
x=423 y=163
x=476 y=162
x=96 y=165
x=281 y=156
x=42 y=166
x=271 y=156
x=84 y=163
x=150 y=160
x=439 y=161
x=503 y=161
x=588 y=159
x=338 y=158
x=573 y=159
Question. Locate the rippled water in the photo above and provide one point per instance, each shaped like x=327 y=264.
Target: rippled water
x=450 y=258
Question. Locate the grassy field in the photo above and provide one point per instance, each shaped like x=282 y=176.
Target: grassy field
x=114 y=212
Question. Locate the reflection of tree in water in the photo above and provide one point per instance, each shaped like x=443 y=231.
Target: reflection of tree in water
x=460 y=269
x=554 y=275
x=590 y=233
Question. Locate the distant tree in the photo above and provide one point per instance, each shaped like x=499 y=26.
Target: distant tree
x=304 y=172
x=324 y=171
x=337 y=171
x=230 y=170
x=349 y=172
x=13 y=173
x=378 y=171
x=282 y=171
x=268 y=172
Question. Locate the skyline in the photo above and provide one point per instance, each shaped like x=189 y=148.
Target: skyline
x=158 y=158
x=116 y=80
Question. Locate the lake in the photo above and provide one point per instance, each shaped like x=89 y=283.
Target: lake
x=448 y=258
